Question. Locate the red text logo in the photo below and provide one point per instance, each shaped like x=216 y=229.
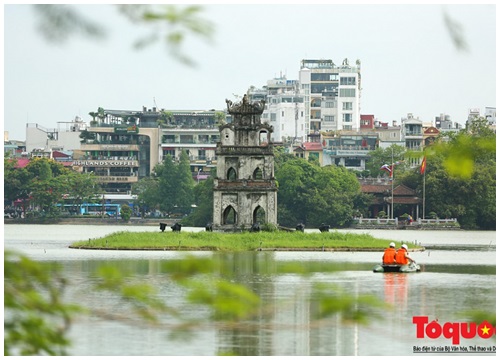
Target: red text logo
x=454 y=331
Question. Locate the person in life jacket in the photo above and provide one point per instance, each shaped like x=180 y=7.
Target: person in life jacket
x=402 y=257
x=389 y=257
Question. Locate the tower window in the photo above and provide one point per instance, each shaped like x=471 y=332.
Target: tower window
x=231 y=174
x=257 y=174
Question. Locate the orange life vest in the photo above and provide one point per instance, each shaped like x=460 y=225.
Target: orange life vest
x=389 y=256
x=401 y=257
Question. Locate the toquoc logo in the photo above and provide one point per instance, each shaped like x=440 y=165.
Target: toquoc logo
x=453 y=331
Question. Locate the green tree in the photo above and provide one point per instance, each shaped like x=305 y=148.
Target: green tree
x=220 y=118
x=379 y=157
x=16 y=182
x=86 y=135
x=184 y=185
x=80 y=188
x=37 y=319
x=125 y=212
x=166 y=173
x=313 y=195
x=204 y=200
x=470 y=148
x=148 y=194
x=166 y=118
x=461 y=176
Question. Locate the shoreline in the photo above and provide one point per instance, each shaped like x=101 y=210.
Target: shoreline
x=209 y=248
x=170 y=222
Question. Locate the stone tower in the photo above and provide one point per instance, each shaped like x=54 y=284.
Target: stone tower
x=244 y=188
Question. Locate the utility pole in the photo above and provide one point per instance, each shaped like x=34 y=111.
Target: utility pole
x=392 y=183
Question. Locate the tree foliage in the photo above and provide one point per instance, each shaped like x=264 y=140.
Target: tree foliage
x=379 y=157
x=204 y=200
x=36 y=320
x=460 y=177
x=169 y=23
x=175 y=184
x=313 y=195
x=147 y=191
x=44 y=183
x=125 y=212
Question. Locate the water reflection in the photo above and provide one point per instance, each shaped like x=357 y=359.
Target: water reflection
x=285 y=323
x=396 y=289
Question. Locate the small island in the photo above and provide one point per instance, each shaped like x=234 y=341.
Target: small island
x=244 y=241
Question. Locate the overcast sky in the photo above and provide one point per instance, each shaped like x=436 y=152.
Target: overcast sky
x=409 y=63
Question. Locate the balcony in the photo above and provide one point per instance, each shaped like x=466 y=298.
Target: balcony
x=212 y=142
x=109 y=146
x=413 y=133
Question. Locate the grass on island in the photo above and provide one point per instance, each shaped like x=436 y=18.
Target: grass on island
x=245 y=241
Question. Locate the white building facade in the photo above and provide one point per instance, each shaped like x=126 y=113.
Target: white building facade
x=285 y=109
x=331 y=95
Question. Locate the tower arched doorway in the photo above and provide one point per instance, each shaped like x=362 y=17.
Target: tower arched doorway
x=259 y=215
x=229 y=216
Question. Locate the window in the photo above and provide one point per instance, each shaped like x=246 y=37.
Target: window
x=347 y=93
x=273 y=116
x=329 y=118
x=348 y=80
x=322 y=87
x=231 y=174
x=169 y=152
x=257 y=174
x=330 y=104
x=347 y=106
x=282 y=114
x=347 y=117
x=323 y=76
x=202 y=155
x=347 y=127
x=352 y=162
x=313 y=155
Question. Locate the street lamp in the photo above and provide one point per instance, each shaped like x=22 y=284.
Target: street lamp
x=198 y=175
x=392 y=183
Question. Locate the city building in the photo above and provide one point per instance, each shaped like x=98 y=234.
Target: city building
x=195 y=132
x=413 y=135
x=284 y=109
x=123 y=146
x=367 y=122
x=349 y=148
x=309 y=150
x=331 y=95
x=65 y=137
x=444 y=124
x=490 y=113
x=389 y=135
x=13 y=148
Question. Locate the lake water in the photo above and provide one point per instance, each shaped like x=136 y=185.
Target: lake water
x=459 y=275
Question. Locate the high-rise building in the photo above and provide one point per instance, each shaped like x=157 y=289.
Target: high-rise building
x=284 y=109
x=331 y=95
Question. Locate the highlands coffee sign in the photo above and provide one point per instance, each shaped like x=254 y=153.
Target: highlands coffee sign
x=132 y=129
x=106 y=163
